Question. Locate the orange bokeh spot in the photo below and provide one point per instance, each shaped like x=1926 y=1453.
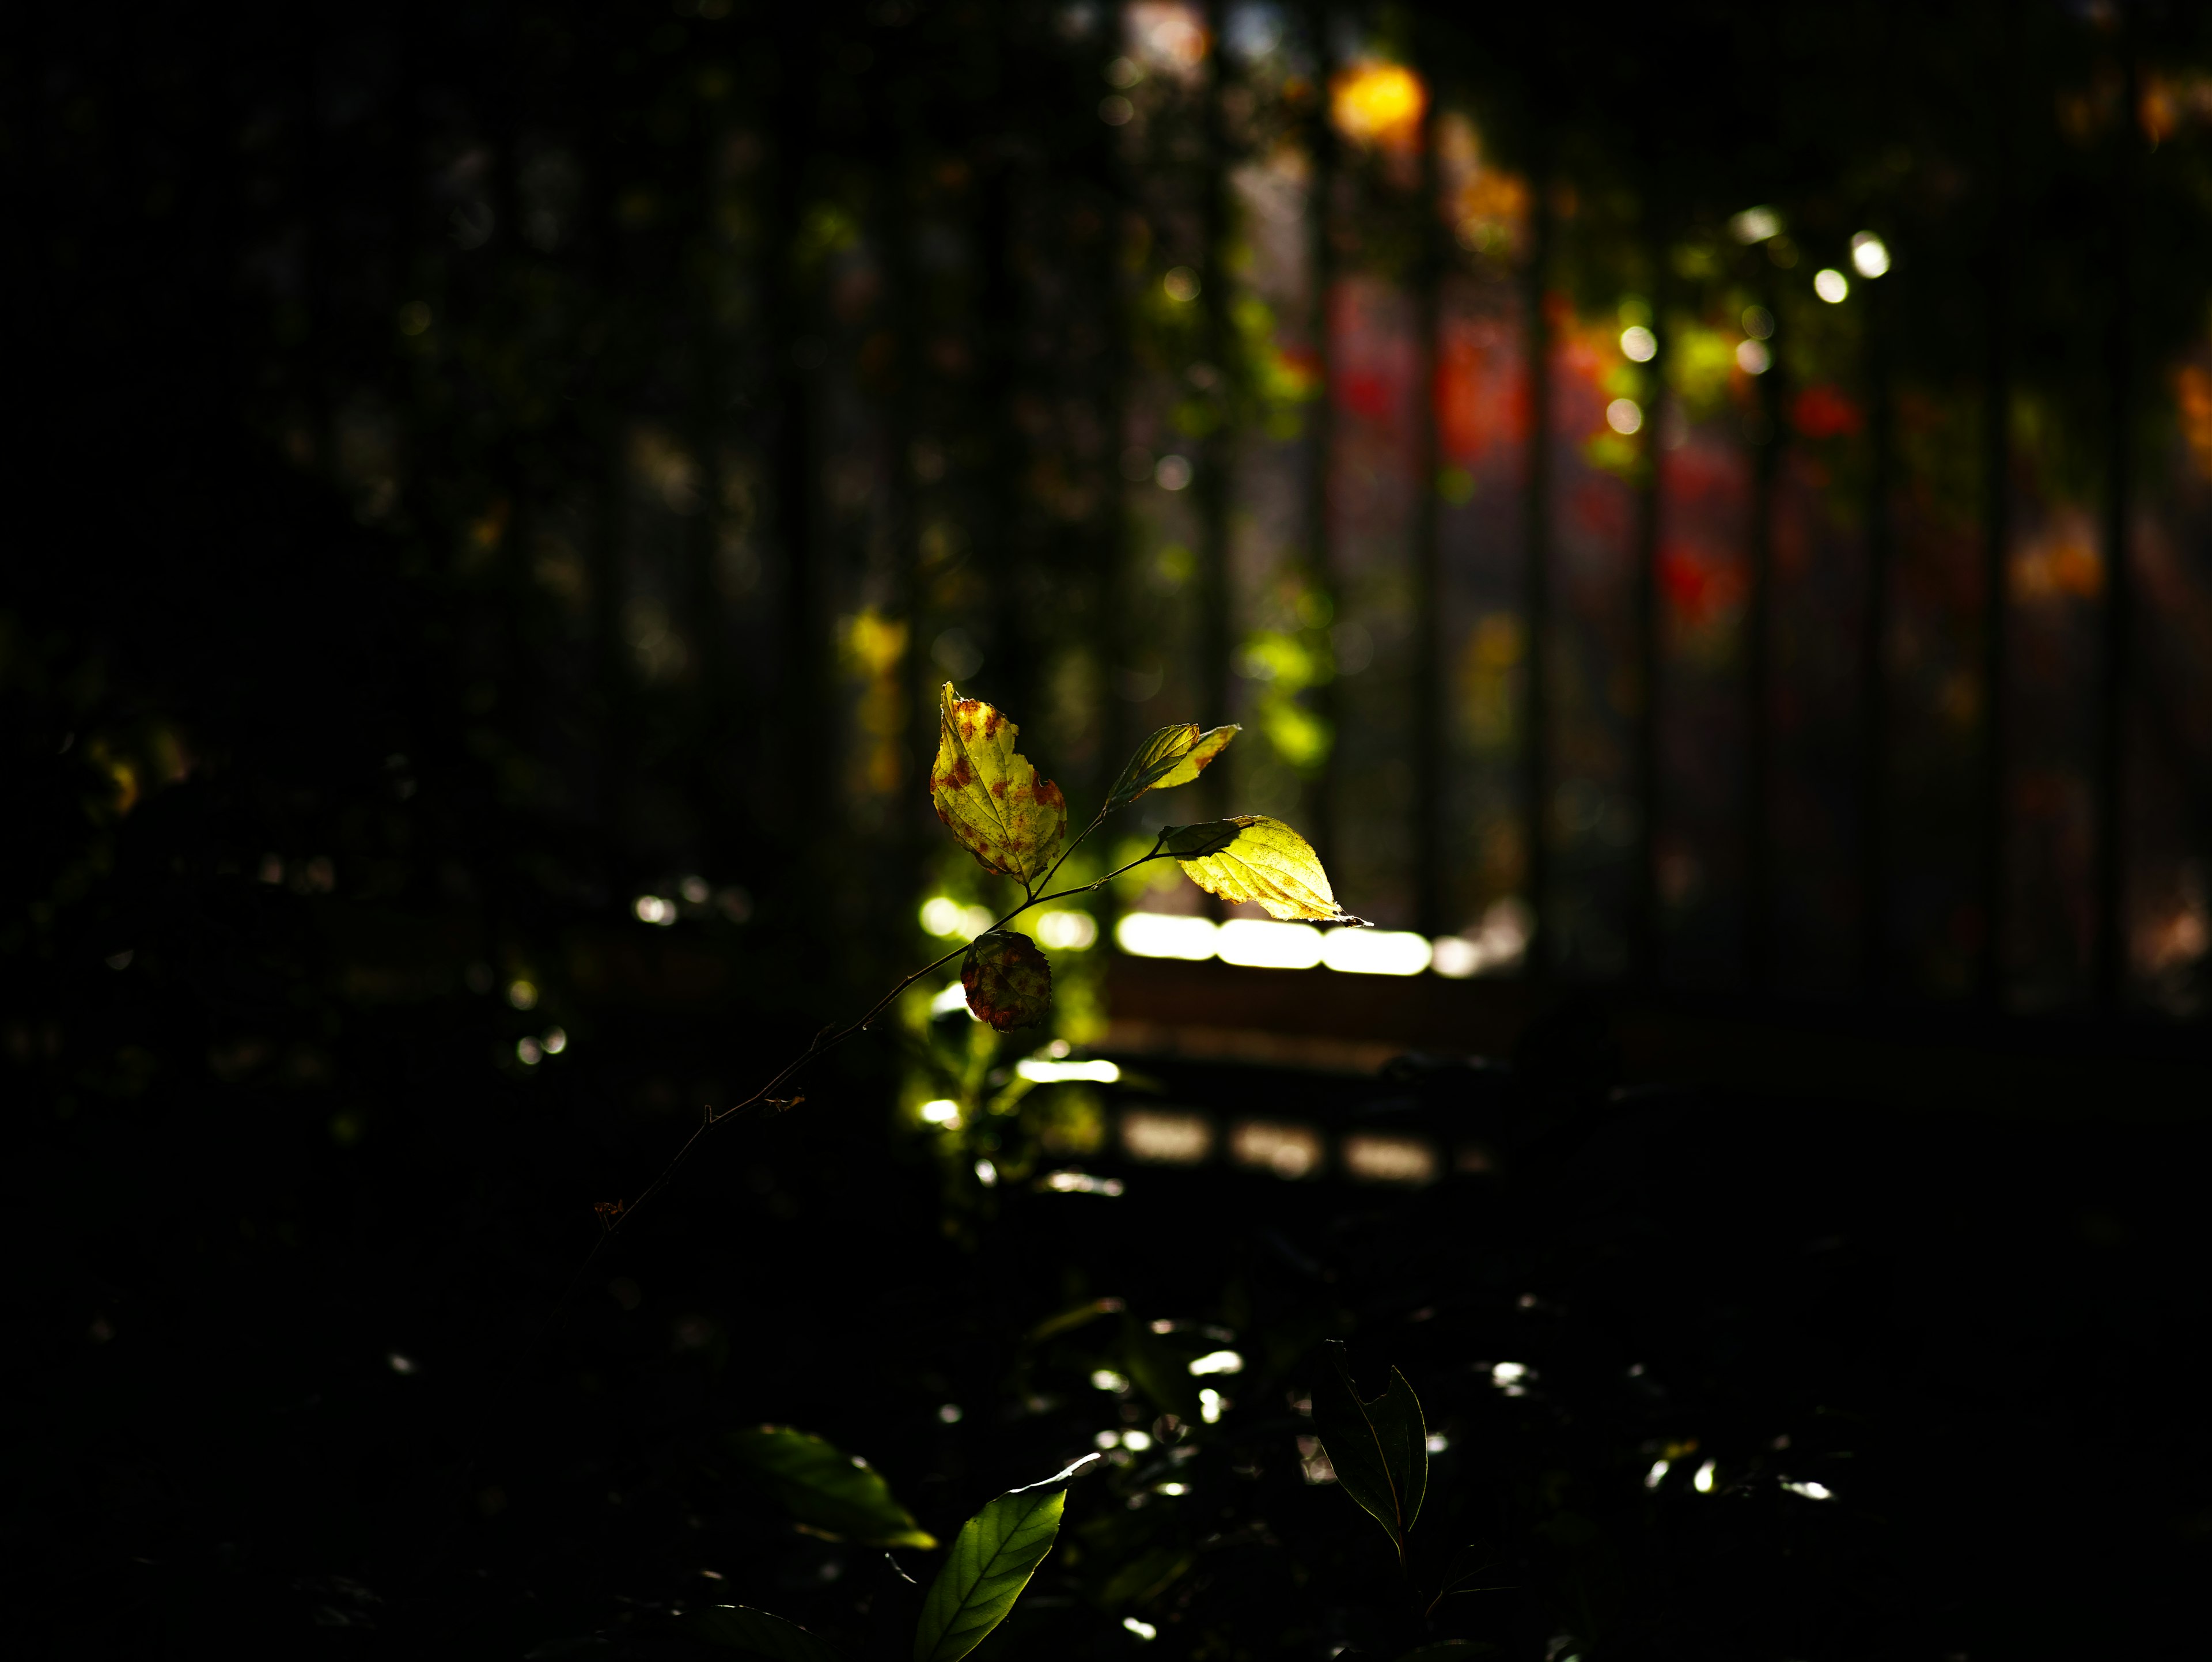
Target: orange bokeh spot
x=2192 y=394
x=1379 y=104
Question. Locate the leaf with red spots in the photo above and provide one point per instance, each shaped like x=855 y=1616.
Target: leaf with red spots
x=991 y=798
x=1009 y=984
x=1173 y=756
x=1252 y=858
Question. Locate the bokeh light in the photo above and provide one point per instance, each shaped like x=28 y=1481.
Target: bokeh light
x=1379 y=104
x=1869 y=254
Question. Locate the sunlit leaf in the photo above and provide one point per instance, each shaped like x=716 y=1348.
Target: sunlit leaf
x=738 y=1628
x=1009 y=984
x=991 y=798
x=1380 y=1449
x=826 y=1488
x=1173 y=756
x=1252 y=858
x=990 y=1562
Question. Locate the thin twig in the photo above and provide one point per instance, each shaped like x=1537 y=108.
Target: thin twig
x=832 y=1035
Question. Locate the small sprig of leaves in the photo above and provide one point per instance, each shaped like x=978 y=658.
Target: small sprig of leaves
x=988 y=1565
x=1014 y=821
x=992 y=799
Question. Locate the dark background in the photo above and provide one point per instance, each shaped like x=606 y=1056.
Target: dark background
x=310 y=760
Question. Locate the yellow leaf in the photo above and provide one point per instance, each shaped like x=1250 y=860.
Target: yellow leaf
x=1252 y=858
x=991 y=798
x=1173 y=756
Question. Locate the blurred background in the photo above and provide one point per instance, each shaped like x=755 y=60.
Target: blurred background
x=1701 y=514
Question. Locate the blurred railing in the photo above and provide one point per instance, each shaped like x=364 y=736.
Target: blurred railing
x=1715 y=505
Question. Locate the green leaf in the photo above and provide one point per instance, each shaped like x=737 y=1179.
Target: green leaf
x=991 y=798
x=1449 y=1650
x=1146 y=1576
x=825 y=1489
x=1252 y=858
x=1380 y=1449
x=990 y=1562
x=1469 y=1565
x=1173 y=756
x=738 y=1628
x=1090 y=1310
x=1009 y=984
x=1159 y=1371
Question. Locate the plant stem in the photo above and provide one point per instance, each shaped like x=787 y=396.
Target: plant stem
x=831 y=1036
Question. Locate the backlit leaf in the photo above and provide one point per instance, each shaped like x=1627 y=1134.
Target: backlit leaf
x=990 y=1562
x=739 y=1628
x=990 y=797
x=826 y=1488
x=1380 y=1449
x=1173 y=756
x=1252 y=858
x=1009 y=984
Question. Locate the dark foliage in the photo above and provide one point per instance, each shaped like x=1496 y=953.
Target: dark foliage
x=329 y=794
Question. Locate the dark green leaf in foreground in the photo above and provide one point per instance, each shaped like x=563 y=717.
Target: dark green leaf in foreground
x=737 y=1627
x=990 y=1562
x=1449 y=1650
x=1008 y=981
x=1160 y=1372
x=1380 y=1449
x=826 y=1488
x=1471 y=1568
x=1252 y=858
x=1173 y=756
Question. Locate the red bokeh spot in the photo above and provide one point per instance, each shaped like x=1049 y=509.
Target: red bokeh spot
x=1482 y=397
x=1364 y=392
x=1696 y=587
x=1822 y=412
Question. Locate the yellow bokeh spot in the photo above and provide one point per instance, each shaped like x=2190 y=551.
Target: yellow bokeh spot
x=1379 y=104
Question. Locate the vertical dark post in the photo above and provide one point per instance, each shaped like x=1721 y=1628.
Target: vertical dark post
x=890 y=129
x=1873 y=669
x=1644 y=893
x=1011 y=659
x=1997 y=535
x=1536 y=759
x=1217 y=449
x=787 y=340
x=1759 y=679
x=718 y=698
x=1321 y=523
x=2109 y=960
x=1430 y=769
x=1117 y=641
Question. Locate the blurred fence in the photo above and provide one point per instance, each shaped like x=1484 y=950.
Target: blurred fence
x=1715 y=503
